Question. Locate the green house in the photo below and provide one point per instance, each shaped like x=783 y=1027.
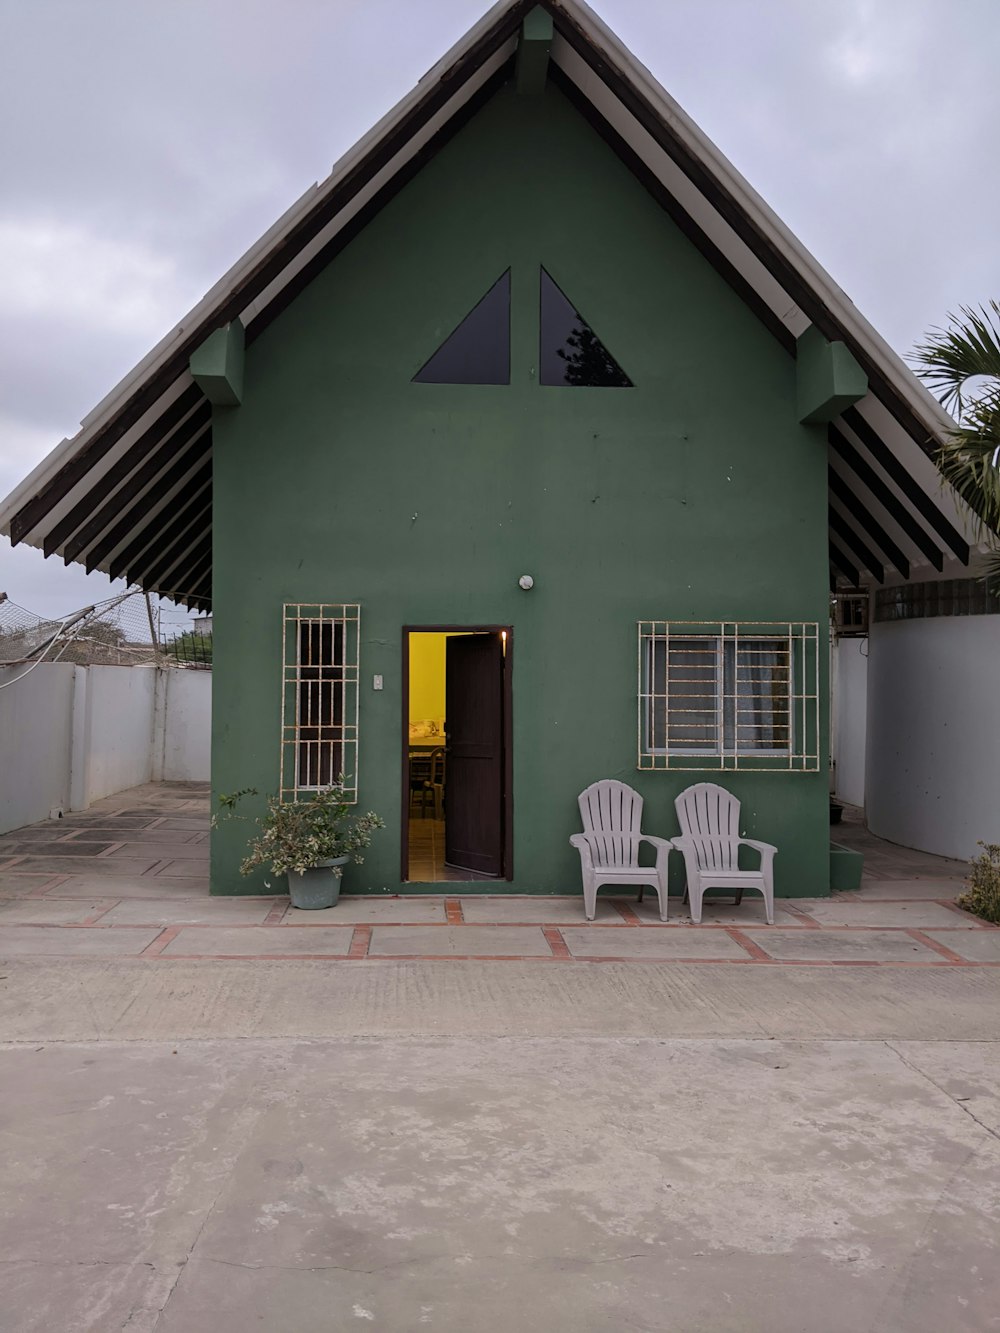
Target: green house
x=522 y=452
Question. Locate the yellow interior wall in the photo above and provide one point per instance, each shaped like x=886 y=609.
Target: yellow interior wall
x=427 y=678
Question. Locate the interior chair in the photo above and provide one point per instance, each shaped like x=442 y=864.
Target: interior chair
x=609 y=844
x=434 y=785
x=710 y=843
x=420 y=772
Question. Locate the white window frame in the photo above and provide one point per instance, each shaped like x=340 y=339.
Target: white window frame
x=312 y=686
x=725 y=750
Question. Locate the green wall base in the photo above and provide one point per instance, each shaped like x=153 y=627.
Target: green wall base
x=845 y=869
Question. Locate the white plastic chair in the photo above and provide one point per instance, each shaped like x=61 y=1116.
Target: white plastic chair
x=609 y=844
x=710 y=843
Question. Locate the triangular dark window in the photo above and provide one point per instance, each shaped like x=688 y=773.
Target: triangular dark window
x=478 y=352
x=569 y=350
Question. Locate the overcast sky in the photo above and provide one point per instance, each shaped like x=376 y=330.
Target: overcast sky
x=146 y=145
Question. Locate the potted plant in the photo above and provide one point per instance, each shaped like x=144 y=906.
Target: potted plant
x=309 y=840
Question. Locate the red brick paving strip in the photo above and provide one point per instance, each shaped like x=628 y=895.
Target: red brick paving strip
x=967 y=917
x=803 y=917
x=555 y=941
x=626 y=912
x=360 y=941
x=942 y=949
x=453 y=912
x=165 y=936
x=52 y=882
x=95 y=917
x=745 y=942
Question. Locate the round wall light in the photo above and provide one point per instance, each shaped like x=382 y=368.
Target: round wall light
x=526 y=582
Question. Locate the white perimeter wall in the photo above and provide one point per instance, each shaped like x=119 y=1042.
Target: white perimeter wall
x=850 y=718
x=185 y=732
x=36 y=732
x=933 y=772
x=71 y=735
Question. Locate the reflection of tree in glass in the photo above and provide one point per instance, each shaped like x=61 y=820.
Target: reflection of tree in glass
x=589 y=363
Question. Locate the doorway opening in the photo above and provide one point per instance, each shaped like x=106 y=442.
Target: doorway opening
x=457 y=759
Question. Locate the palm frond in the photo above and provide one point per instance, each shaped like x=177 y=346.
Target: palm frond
x=968 y=461
x=967 y=349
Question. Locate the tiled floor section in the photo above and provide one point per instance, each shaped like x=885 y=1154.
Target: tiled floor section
x=129 y=878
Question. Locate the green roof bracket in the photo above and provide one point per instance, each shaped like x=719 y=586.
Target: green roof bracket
x=829 y=378
x=533 y=52
x=217 y=365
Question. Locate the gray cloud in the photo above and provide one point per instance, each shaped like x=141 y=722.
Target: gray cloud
x=147 y=146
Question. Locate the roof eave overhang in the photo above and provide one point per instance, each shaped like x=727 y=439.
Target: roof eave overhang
x=50 y=508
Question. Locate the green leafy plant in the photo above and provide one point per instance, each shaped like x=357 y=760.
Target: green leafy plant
x=961 y=364
x=295 y=835
x=982 y=896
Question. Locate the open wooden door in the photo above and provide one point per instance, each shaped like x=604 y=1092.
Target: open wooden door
x=474 y=727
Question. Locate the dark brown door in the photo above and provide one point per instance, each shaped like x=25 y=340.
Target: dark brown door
x=474 y=804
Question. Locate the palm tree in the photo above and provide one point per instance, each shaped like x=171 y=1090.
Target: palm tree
x=961 y=364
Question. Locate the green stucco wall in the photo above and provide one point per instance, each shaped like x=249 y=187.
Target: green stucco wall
x=693 y=495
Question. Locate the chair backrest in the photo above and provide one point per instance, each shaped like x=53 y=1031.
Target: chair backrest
x=710 y=816
x=436 y=777
x=612 y=817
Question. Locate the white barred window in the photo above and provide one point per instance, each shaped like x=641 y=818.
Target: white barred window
x=718 y=695
x=319 y=714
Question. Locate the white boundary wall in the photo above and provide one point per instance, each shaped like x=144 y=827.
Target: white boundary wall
x=933 y=772
x=70 y=735
x=850 y=718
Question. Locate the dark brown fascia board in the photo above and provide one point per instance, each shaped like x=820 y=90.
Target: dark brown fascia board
x=154 y=536
x=913 y=491
x=192 y=428
x=886 y=497
x=172 y=418
x=139 y=508
x=847 y=534
x=735 y=215
x=866 y=520
x=311 y=270
x=190 y=580
x=674 y=209
x=266 y=270
x=841 y=562
x=187 y=533
x=181 y=572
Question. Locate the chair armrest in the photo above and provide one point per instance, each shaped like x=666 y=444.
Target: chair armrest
x=689 y=851
x=663 y=849
x=767 y=850
x=582 y=844
x=662 y=844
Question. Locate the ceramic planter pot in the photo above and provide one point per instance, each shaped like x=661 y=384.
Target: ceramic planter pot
x=317 y=887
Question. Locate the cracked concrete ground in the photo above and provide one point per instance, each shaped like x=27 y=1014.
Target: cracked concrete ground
x=478 y=1185
x=213 y=1145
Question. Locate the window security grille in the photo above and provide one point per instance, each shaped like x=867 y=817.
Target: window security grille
x=722 y=695
x=319 y=712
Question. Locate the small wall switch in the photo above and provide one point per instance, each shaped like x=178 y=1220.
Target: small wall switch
x=376 y=682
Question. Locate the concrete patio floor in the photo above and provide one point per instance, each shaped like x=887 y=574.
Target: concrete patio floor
x=129 y=878
x=471 y=1114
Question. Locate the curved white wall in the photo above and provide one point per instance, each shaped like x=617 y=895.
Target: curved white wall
x=933 y=766
x=850 y=719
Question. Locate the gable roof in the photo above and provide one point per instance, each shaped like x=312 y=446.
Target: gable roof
x=130 y=494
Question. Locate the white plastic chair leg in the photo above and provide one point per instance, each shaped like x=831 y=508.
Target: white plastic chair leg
x=590 y=897
x=695 y=895
x=661 y=893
